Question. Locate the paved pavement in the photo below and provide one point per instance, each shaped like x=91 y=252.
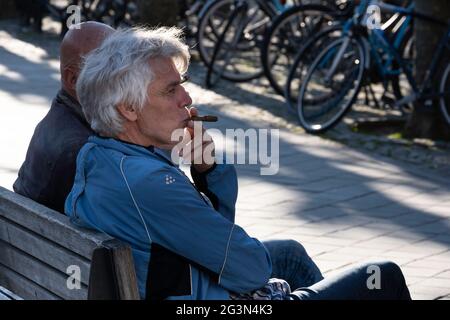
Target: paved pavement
x=343 y=205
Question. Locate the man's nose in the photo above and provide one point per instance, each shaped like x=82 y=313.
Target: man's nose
x=186 y=101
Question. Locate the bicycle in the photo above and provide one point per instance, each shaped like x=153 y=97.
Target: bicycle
x=399 y=29
x=291 y=29
x=189 y=12
x=335 y=77
x=230 y=35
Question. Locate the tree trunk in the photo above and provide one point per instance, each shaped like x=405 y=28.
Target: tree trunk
x=426 y=121
x=158 y=12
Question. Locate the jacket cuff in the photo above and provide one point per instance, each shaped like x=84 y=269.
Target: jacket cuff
x=201 y=183
x=197 y=174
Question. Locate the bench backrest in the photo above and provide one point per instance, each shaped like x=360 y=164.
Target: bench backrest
x=41 y=252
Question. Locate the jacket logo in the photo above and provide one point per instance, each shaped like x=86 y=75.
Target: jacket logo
x=169 y=179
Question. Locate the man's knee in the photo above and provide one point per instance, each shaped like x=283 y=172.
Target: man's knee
x=388 y=271
x=393 y=271
x=294 y=247
x=386 y=267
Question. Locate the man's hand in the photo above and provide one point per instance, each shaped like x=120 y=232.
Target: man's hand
x=201 y=148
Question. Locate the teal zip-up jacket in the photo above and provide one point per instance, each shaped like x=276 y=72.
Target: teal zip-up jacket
x=184 y=246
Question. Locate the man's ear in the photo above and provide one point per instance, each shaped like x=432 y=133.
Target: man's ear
x=70 y=77
x=127 y=111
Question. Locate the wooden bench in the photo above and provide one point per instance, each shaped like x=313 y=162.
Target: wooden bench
x=41 y=253
x=5 y=294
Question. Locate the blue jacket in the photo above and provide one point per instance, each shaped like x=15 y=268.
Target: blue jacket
x=183 y=247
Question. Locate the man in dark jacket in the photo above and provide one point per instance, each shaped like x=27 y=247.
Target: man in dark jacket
x=48 y=172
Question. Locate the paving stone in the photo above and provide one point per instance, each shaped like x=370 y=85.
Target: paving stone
x=326 y=184
x=389 y=210
x=436 y=283
x=401 y=261
x=379 y=242
x=359 y=252
x=432 y=292
x=334 y=256
x=282 y=222
x=263 y=232
x=358 y=233
x=309 y=231
x=315 y=250
x=441 y=226
x=418 y=296
x=440 y=210
x=413 y=218
x=445 y=274
x=346 y=193
x=419 y=272
x=413 y=280
x=430 y=264
x=329 y=267
x=369 y=201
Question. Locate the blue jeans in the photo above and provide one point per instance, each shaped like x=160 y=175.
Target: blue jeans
x=358 y=283
x=291 y=262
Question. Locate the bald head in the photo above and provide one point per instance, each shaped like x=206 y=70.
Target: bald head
x=76 y=44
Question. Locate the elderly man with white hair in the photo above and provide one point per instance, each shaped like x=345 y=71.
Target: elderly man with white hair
x=183 y=237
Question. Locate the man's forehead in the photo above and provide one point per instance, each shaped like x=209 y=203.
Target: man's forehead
x=165 y=73
x=163 y=66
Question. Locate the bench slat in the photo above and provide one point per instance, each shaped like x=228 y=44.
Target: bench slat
x=8 y=295
x=43 y=249
x=37 y=245
x=4 y=297
x=49 y=224
x=38 y=272
x=23 y=287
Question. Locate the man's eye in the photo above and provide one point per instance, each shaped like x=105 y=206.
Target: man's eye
x=184 y=79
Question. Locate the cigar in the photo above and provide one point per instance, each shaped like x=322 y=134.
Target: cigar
x=204 y=118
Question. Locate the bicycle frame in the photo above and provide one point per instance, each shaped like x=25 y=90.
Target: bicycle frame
x=241 y=14
x=376 y=40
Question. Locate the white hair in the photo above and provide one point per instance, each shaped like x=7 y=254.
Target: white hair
x=118 y=72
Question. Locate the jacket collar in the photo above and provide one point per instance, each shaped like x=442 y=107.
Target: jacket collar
x=71 y=103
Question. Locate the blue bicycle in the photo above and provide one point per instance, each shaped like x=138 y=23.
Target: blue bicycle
x=335 y=76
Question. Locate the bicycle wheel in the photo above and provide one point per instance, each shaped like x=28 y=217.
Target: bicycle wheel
x=222 y=50
x=444 y=89
x=303 y=60
x=211 y=25
x=285 y=37
x=242 y=62
x=331 y=84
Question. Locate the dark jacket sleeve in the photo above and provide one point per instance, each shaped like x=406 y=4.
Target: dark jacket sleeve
x=219 y=184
